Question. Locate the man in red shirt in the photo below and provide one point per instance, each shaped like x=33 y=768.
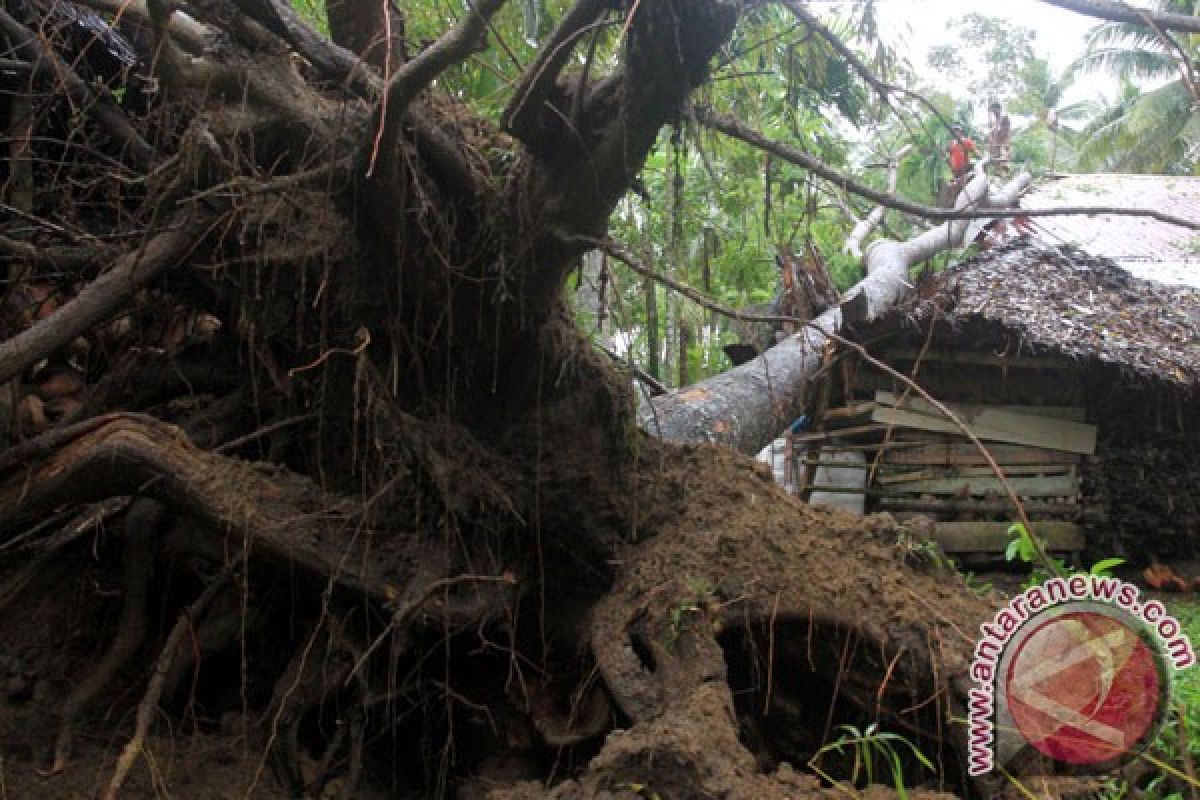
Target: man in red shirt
x=961 y=150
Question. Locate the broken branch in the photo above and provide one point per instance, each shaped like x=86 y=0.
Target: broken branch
x=100 y=300
x=863 y=227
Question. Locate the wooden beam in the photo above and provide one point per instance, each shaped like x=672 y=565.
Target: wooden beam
x=892 y=475
x=922 y=406
x=977 y=358
x=968 y=486
x=968 y=454
x=824 y=436
x=1001 y=426
x=992 y=537
x=956 y=506
x=850 y=411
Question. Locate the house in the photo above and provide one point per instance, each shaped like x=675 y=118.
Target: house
x=1081 y=378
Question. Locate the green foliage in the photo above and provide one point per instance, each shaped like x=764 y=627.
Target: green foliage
x=867 y=746
x=1024 y=547
x=1104 y=567
x=314 y=12
x=700 y=604
x=736 y=206
x=1153 y=127
x=988 y=53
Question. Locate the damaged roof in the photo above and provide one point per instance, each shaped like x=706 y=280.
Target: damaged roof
x=1061 y=299
x=1146 y=247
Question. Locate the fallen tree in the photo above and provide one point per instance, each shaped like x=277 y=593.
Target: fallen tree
x=746 y=407
x=313 y=488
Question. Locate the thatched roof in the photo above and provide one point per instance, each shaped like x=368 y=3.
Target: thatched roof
x=1059 y=299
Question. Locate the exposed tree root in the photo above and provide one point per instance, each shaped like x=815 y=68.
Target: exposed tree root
x=141 y=522
x=149 y=705
x=280 y=515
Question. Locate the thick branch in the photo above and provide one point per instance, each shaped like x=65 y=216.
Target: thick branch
x=330 y=59
x=732 y=127
x=539 y=78
x=99 y=301
x=747 y=406
x=453 y=47
x=1120 y=12
x=863 y=227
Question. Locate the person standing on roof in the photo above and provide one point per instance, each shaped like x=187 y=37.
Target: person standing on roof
x=962 y=147
x=1000 y=134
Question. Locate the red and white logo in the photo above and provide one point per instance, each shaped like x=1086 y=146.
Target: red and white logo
x=1084 y=687
x=1077 y=668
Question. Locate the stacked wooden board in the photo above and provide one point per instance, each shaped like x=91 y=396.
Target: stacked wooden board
x=921 y=462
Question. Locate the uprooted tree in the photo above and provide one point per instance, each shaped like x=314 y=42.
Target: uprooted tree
x=314 y=489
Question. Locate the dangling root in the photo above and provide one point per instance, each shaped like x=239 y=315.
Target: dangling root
x=313 y=675
x=140 y=525
x=154 y=689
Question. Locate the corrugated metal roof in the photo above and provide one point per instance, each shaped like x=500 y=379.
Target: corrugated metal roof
x=1144 y=246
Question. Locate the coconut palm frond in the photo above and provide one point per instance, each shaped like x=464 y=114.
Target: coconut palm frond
x=1121 y=34
x=1150 y=132
x=1140 y=63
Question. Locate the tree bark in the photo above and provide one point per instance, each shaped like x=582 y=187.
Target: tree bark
x=746 y=407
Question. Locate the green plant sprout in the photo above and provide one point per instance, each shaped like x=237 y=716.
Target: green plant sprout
x=868 y=745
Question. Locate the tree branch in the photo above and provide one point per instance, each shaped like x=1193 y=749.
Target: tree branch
x=863 y=227
x=1120 y=12
x=532 y=91
x=1186 y=72
x=451 y=48
x=100 y=300
x=330 y=59
x=732 y=127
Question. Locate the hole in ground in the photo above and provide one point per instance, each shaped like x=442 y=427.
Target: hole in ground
x=796 y=690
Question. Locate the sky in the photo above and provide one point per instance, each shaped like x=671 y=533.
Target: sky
x=913 y=26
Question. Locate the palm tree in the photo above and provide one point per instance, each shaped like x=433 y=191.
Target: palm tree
x=1041 y=98
x=1155 y=130
x=1149 y=132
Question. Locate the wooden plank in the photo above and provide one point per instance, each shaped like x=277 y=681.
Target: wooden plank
x=968 y=454
x=992 y=537
x=977 y=358
x=923 y=406
x=824 y=436
x=967 y=486
x=849 y=412
x=956 y=506
x=892 y=475
x=1002 y=426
